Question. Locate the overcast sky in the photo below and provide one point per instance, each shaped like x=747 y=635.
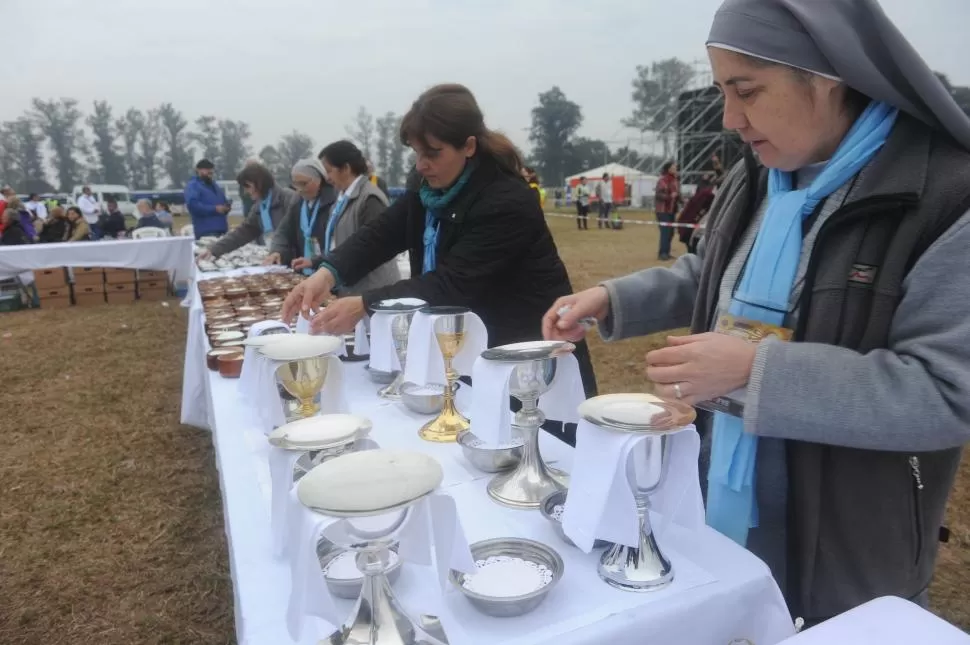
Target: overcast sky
x=309 y=64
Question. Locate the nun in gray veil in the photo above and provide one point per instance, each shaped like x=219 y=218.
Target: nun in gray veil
x=835 y=268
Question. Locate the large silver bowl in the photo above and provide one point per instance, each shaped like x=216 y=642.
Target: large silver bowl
x=486 y=459
x=547 y=507
x=423 y=399
x=349 y=588
x=507 y=607
x=380 y=377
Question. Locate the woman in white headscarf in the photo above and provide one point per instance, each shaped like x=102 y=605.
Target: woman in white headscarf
x=830 y=456
x=301 y=234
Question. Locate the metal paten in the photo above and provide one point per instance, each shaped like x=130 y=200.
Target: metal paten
x=532 y=481
x=449 y=331
x=644 y=567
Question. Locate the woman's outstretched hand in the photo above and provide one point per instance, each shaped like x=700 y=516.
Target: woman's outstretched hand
x=308 y=295
x=564 y=320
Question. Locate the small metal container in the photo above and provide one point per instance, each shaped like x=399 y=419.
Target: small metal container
x=350 y=588
x=489 y=460
x=530 y=550
x=423 y=399
x=380 y=377
x=547 y=507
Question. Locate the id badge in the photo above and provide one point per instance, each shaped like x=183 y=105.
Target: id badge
x=753 y=331
x=316 y=248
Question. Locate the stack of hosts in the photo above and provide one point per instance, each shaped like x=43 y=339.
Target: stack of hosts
x=850 y=238
x=474 y=230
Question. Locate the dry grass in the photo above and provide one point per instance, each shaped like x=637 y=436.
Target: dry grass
x=110 y=519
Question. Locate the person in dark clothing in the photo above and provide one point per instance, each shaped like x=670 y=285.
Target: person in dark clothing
x=112 y=223
x=304 y=229
x=13 y=230
x=474 y=230
x=56 y=228
x=697 y=206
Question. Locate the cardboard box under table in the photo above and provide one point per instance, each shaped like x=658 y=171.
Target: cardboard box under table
x=50 y=278
x=58 y=298
x=86 y=295
x=87 y=276
x=120 y=292
x=152 y=285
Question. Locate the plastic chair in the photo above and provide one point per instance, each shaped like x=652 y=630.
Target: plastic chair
x=187 y=231
x=148 y=232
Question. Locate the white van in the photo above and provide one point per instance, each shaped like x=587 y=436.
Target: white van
x=104 y=192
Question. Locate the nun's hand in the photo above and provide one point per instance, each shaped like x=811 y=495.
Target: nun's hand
x=701 y=367
x=340 y=316
x=307 y=295
x=301 y=263
x=563 y=321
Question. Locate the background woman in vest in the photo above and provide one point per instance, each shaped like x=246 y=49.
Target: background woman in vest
x=852 y=237
x=271 y=203
x=303 y=231
x=359 y=202
x=475 y=232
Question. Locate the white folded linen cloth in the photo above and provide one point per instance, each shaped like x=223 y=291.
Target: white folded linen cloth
x=426 y=365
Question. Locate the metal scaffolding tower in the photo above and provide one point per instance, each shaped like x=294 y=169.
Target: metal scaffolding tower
x=700 y=134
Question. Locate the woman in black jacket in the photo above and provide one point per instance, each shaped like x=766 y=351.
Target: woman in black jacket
x=474 y=229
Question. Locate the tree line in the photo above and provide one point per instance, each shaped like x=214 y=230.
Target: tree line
x=158 y=147
x=558 y=151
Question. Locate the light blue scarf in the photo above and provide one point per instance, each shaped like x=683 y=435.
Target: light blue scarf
x=335 y=214
x=307 y=222
x=763 y=294
x=434 y=200
x=264 y=213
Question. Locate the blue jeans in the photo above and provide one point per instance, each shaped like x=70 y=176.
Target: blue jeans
x=666 y=233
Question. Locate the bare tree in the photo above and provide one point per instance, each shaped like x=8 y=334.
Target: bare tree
x=234 y=137
x=292 y=148
x=107 y=165
x=178 y=150
x=208 y=137
x=396 y=170
x=60 y=121
x=362 y=131
x=151 y=143
x=386 y=131
x=269 y=156
x=129 y=127
x=20 y=156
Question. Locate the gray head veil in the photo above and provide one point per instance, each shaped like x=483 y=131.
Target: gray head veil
x=850 y=40
x=309 y=167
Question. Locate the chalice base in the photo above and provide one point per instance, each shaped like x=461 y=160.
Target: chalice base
x=379 y=619
x=527 y=485
x=639 y=569
x=444 y=428
x=392 y=391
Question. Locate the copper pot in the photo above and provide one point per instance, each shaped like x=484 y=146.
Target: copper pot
x=210 y=295
x=230 y=365
x=234 y=344
x=227 y=325
x=247 y=310
x=249 y=321
x=235 y=293
x=212 y=356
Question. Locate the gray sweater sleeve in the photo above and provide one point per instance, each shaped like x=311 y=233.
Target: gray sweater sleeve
x=249 y=230
x=913 y=396
x=286 y=237
x=654 y=299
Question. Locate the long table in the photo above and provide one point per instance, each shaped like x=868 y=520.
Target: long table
x=720 y=592
x=172 y=254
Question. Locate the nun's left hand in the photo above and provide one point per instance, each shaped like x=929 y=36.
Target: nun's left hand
x=340 y=316
x=701 y=367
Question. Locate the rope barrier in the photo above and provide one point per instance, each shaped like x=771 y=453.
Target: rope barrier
x=630 y=221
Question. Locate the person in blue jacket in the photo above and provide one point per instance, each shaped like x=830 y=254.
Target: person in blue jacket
x=206 y=202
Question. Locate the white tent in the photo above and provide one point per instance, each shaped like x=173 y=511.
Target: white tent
x=641 y=185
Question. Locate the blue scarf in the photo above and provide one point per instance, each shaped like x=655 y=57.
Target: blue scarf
x=433 y=201
x=307 y=223
x=335 y=213
x=763 y=293
x=264 y=213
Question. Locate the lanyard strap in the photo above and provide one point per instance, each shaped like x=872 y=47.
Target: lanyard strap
x=335 y=214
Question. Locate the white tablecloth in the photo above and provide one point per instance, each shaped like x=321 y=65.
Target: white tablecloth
x=172 y=254
x=883 y=621
x=720 y=591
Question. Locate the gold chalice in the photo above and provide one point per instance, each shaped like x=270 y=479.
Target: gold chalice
x=449 y=331
x=303 y=380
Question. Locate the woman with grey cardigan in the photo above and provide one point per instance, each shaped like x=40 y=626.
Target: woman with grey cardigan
x=836 y=266
x=272 y=203
x=359 y=203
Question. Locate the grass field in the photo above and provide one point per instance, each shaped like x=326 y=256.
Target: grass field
x=110 y=515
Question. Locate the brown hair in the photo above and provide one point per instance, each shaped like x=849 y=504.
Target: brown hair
x=259 y=176
x=57 y=212
x=450 y=113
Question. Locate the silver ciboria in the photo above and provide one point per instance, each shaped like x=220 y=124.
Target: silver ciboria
x=402 y=313
x=377 y=617
x=644 y=567
x=531 y=481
